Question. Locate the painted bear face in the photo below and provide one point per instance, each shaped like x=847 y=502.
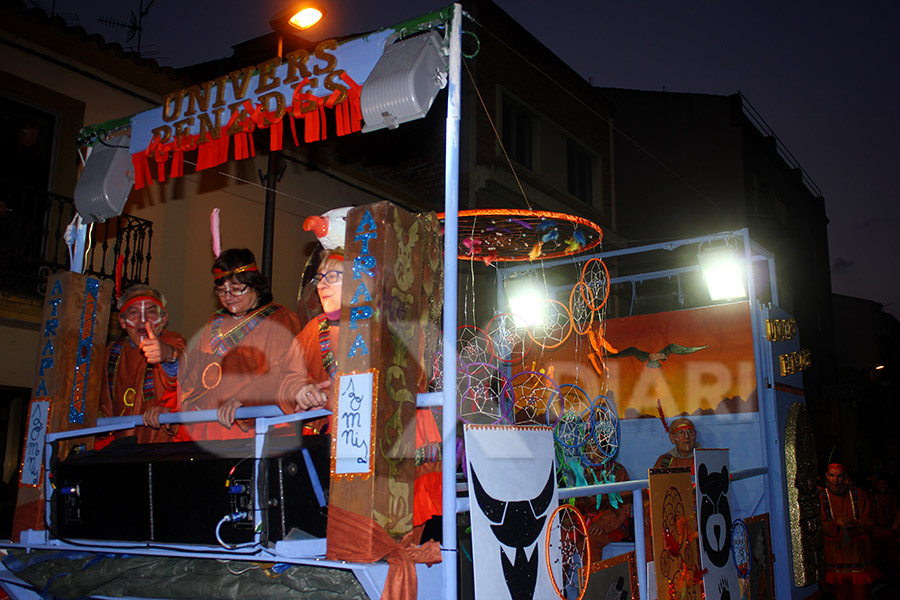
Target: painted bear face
x=715 y=515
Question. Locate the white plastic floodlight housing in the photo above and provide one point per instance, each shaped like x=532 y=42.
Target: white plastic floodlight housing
x=404 y=82
x=106 y=181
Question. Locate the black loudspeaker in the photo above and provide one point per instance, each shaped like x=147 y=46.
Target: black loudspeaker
x=178 y=492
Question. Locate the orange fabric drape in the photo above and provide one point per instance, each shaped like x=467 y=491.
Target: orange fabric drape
x=345 y=529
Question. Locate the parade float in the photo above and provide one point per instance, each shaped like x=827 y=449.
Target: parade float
x=548 y=394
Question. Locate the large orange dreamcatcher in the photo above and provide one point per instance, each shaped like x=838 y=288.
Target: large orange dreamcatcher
x=499 y=235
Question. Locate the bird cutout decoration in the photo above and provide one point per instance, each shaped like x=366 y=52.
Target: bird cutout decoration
x=330 y=227
x=654 y=360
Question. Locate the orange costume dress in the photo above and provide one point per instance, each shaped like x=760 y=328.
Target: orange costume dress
x=848 y=555
x=131 y=386
x=315 y=346
x=245 y=359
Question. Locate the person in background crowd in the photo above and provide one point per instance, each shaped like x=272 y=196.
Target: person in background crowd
x=141 y=371
x=244 y=352
x=884 y=537
x=846 y=524
x=609 y=521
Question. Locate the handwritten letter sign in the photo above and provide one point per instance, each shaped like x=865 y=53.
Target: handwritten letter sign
x=33 y=456
x=353 y=440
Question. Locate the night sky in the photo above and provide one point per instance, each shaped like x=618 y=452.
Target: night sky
x=822 y=74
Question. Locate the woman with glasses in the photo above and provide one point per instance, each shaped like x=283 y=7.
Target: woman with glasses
x=318 y=341
x=244 y=351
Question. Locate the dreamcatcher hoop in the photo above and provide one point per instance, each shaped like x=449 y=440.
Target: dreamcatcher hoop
x=560 y=328
x=605 y=426
x=472 y=345
x=570 y=431
x=533 y=392
x=590 y=281
x=582 y=310
x=575 y=399
x=500 y=328
x=740 y=548
x=501 y=235
x=469 y=391
x=572 y=532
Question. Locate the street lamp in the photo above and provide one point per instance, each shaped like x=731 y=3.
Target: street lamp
x=301 y=16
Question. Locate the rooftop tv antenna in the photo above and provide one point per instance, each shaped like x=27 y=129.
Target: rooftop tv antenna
x=135 y=24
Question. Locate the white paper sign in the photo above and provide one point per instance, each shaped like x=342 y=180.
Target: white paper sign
x=512 y=494
x=356 y=401
x=720 y=579
x=33 y=456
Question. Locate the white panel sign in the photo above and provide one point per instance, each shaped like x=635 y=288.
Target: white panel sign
x=512 y=494
x=720 y=578
x=33 y=456
x=355 y=407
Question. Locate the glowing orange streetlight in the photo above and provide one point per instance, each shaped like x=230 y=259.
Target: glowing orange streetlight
x=299 y=15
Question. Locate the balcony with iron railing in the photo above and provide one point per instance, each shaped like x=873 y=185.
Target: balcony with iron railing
x=33 y=226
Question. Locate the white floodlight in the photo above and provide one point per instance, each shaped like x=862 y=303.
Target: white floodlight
x=723 y=273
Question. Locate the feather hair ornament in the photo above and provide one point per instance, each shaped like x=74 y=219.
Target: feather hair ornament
x=216 y=236
x=120 y=264
x=662 y=415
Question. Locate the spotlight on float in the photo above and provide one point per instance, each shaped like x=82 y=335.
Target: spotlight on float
x=299 y=15
x=723 y=273
x=528 y=305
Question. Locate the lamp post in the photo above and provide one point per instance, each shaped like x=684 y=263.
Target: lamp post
x=301 y=16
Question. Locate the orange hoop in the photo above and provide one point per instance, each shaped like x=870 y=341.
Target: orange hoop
x=585 y=563
x=500 y=235
x=561 y=309
x=587 y=284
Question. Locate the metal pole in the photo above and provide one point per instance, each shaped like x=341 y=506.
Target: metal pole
x=274 y=171
x=451 y=223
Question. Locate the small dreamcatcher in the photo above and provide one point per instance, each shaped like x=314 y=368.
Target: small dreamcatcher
x=537 y=398
x=472 y=345
x=595 y=279
x=568 y=552
x=554 y=328
x=483 y=394
x=510 y=342
x=740 y=553
x=603 y=442
x=581 y=301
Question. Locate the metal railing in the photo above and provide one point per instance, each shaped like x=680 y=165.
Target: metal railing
x=32 y=241
x=757 y=119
